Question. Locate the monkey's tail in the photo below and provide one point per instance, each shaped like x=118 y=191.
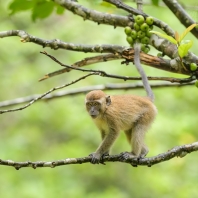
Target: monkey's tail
x=137 y=63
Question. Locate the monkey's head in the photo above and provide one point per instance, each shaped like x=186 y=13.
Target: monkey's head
x=96 y=103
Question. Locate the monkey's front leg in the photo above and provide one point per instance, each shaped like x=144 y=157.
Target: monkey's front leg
x=103 y=149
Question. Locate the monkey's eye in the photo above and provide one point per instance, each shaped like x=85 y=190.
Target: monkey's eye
x=95 y=104
x=88 y=104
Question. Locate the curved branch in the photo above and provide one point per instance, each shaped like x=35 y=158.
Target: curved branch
x=179 y=151
x=156 y=62
x=58 y=44
x=93 y=15
x=163 y=26
x=86 y=61
x=181 y=14
x=83 y=90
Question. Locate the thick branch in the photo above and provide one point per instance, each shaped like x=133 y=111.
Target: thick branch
x=93 y=15
x=58 y=44
x=181 y=14
x=179 y=151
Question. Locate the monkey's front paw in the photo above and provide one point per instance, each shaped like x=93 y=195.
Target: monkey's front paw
x=98 y=158
x=127 y=155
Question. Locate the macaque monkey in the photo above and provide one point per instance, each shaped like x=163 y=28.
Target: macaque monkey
x=132 y=114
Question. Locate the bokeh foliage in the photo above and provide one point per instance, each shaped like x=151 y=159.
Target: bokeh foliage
x=60 y=128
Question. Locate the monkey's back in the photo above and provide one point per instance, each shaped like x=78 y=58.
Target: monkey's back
x=129 y=109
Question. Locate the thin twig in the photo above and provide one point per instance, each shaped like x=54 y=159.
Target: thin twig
x=84 y=90
x=45 y=94
x=86 y=61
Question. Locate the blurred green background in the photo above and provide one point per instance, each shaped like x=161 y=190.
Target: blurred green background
x=61 y=129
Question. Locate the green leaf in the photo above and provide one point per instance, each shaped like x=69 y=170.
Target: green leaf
x=186 y=31
x=20 y=5
x=60 y=10
x=155 y=2
x=169 y=38
x=42 y=9
x=184 y=47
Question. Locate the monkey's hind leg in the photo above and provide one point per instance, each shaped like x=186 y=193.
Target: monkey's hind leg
x=135 y=137
x=139 y=148
x=126 y=155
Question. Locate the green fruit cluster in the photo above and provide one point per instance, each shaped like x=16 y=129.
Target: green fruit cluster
x=140 y=32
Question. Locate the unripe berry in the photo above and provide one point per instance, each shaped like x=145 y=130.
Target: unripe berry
x=143 y=47
x=144 y=27
x=147 y=49
x=149 y=20
x=129 y=40
x=139 y=19
x=145 y=40
x=133 y=34
x=136 y=26
x=148 y=34
x=141 y=34
x=159 y=55
x=193 y=67
x=196 y=83
x=127 y=30
x=150 y=27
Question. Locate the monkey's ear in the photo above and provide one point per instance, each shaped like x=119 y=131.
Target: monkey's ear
x=108 y=100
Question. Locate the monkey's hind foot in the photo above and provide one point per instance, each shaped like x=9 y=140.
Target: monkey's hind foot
x=97 y=158
x=127 y=155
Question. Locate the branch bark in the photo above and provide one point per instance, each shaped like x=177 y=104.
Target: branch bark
x=178 y=151
x=93 y=15
x=181 y=14
x=163 y=26
x=58 y=44
x=84 y=90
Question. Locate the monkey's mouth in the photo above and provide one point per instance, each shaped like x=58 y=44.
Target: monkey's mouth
x=94 y=116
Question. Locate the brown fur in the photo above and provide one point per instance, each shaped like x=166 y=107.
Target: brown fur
x=130 y=113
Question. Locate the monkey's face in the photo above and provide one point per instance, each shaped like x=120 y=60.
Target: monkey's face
x=96 y=103
x=93 y=108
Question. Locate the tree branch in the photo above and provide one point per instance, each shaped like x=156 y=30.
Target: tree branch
x=83 y=90
x=160 y=63
x=58 y=44
x=86 y=61
x=181 y=14
x=93 y=15
x=173 y=65
x=178 y=151
x=163 y=26
x=45 y=94
x=161 y=44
